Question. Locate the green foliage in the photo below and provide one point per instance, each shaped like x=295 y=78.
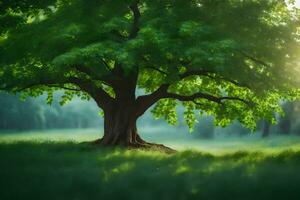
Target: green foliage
x=189 y=115
x=167 y=109
x=249 y=49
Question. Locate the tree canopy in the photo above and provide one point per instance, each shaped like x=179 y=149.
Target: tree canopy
x=233 y=59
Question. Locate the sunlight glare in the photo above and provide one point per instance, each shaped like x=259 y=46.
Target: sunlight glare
x=297 y=3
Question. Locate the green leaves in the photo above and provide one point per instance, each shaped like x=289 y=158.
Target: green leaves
x=244 y=49
x=166 y=109
x=189 y=115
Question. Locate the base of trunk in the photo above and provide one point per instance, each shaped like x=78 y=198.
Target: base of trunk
x=140 y=144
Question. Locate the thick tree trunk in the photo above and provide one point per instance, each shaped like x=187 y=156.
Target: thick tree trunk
x=121 y=114
x=120 y=130
x=120 y=127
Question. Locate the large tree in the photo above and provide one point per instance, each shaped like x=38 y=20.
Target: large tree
x=233 y=59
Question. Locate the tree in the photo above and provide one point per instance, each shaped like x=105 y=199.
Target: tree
x=285 y=122
x=232 y=59
x=265 y=128
x=205 y=128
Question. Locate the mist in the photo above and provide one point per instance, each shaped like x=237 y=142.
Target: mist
x=35 y=115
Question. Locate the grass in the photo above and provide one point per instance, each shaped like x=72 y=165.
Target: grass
x=171 y=138
x=63 y=169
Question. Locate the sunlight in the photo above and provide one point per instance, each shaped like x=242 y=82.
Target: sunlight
x=290 y=3
x=297 y=3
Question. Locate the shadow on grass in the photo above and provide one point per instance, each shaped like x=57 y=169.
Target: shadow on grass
x=72 y=171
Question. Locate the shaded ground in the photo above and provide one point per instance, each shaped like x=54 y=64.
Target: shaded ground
x=66 y=170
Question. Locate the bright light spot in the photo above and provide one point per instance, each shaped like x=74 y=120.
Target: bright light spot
x=297 y=3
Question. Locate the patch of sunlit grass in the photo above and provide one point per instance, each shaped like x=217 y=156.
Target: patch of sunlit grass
x=218 y=146
x=68 y=170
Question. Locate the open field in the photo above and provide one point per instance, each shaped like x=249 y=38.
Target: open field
x=177 y=140
x=54 y=166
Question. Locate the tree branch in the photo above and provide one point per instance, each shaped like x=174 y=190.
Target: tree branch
x=14 y=88
x=253 y=58
x=105 y=64
x=64 y=87
x=83 y=69
x=136 y=17
x=145 y=101
x=159 y=70
x=87 y=71
x=100 y=96
x=208 y=97
x=209 y=74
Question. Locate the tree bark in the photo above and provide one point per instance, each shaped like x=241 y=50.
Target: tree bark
x=120 y=130
x=122 y=111
x=119 y=126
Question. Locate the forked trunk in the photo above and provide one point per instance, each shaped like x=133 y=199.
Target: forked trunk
x=120 y=130
x=121 y=114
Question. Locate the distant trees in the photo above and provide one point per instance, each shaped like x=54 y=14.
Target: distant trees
x=287 y=125
x=19 y=115
x=290 y=122
x=205 y=128
x=36 y=114
x=266 y=128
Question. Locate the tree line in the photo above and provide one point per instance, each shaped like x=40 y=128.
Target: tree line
x=34 y=113
x=287 y=124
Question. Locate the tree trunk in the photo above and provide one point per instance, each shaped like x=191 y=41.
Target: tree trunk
x=120 y=127
x=266 y=129
x=120 y=130
x=121 y=114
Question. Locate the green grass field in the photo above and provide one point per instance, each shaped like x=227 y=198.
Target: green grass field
x=53 y=165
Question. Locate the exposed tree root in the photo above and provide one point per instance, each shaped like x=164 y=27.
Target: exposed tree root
x=139 y=144
x=152 y=146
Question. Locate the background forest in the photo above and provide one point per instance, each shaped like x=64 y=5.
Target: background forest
x=36 y=114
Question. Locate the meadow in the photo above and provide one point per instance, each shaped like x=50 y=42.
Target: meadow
x=55 y=165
